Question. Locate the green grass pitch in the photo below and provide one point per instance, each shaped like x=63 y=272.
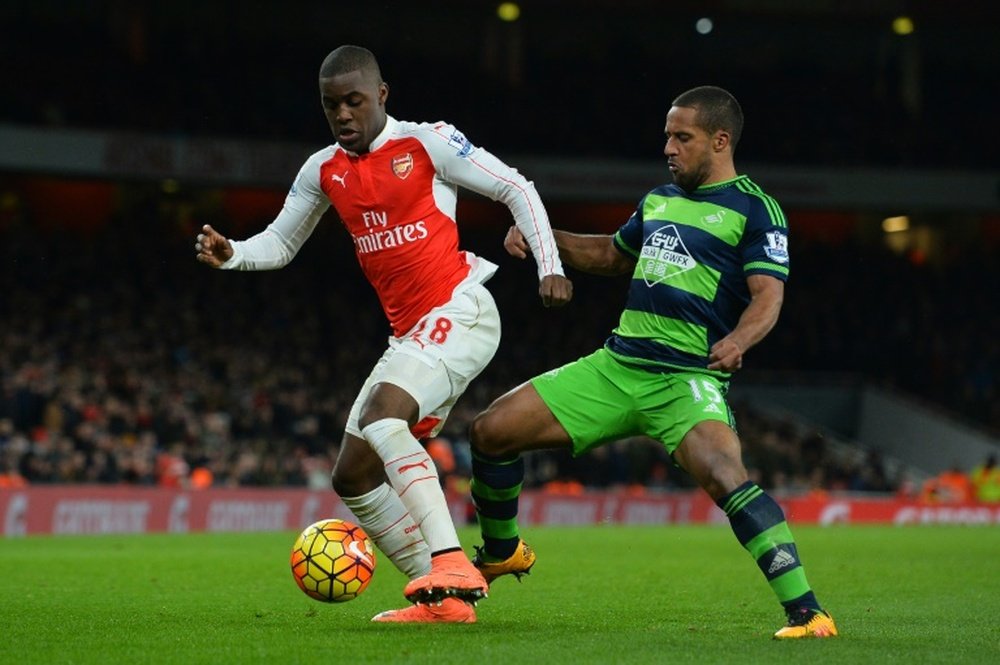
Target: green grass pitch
x=606 y=594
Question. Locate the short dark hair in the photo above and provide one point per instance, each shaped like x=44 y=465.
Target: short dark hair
x=349 y=58
x=717 y=109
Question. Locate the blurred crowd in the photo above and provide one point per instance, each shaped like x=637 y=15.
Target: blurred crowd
x=957 y=485
x=123 y=360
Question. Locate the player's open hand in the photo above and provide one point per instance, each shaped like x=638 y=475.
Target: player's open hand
x=212 y=247
x=555 y=290
x=515 y=244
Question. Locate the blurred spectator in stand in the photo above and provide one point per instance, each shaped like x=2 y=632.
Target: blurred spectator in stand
x=985 y=480
x=871 y=476
x=951 y=486
x=201 y=478
x=564 y=486
x=172 y=470
x=439 y=448
x=10 y=476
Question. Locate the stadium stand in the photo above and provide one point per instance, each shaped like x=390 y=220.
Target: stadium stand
x=122 y=360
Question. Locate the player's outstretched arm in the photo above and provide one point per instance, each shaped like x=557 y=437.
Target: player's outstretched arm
x=212 y=248
x=595 y=254
x=592 y=253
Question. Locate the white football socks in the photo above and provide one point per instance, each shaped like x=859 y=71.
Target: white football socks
x=412 y=474
x=386 y=521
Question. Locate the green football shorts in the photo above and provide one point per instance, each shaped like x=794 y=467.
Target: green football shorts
x=598 y=399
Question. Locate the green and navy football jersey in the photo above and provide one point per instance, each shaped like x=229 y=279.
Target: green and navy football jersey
x=693 y=255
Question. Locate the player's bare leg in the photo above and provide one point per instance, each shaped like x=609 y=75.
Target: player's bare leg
x=515 y=422
x=710 y=452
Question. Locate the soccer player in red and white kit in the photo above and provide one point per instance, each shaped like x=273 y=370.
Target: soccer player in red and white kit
x=394 y=187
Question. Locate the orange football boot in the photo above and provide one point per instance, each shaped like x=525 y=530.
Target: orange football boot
x=452 y=576
x=448 y=610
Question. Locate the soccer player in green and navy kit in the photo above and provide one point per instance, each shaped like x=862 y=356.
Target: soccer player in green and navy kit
x=709 y=258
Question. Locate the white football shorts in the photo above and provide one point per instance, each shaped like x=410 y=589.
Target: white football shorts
x=437 y=359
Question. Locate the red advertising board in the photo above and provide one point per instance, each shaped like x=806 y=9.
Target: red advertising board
x=94 y=510
x=76 y=510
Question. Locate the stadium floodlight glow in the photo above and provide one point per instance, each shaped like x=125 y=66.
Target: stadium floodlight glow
x=704 y=25
x=902 y=25
x=509 y=11
x=896 y=224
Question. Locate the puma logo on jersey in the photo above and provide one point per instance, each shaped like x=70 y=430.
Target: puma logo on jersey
x=422 y=464
x=340 y=178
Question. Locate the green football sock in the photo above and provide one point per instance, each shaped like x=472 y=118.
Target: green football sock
x=496 y=485
x=760 y=526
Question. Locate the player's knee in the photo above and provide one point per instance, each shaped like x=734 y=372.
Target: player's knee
x=341 y=482
x=484 y=435
x=387 y=400
x=350 y=480
x=711 y=453
x=723 y=477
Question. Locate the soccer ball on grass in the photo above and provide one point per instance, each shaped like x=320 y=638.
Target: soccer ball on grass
x=333 y=560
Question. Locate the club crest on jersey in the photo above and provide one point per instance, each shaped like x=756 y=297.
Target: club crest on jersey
x=777 y=247
x=402 y=165
x=715 y=217
x=664 y=255
x=458 y=141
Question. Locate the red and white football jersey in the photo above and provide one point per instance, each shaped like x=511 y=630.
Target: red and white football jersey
x=398 y=203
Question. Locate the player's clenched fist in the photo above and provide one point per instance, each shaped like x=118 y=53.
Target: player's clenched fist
x=555 y=290
x=212 y=248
